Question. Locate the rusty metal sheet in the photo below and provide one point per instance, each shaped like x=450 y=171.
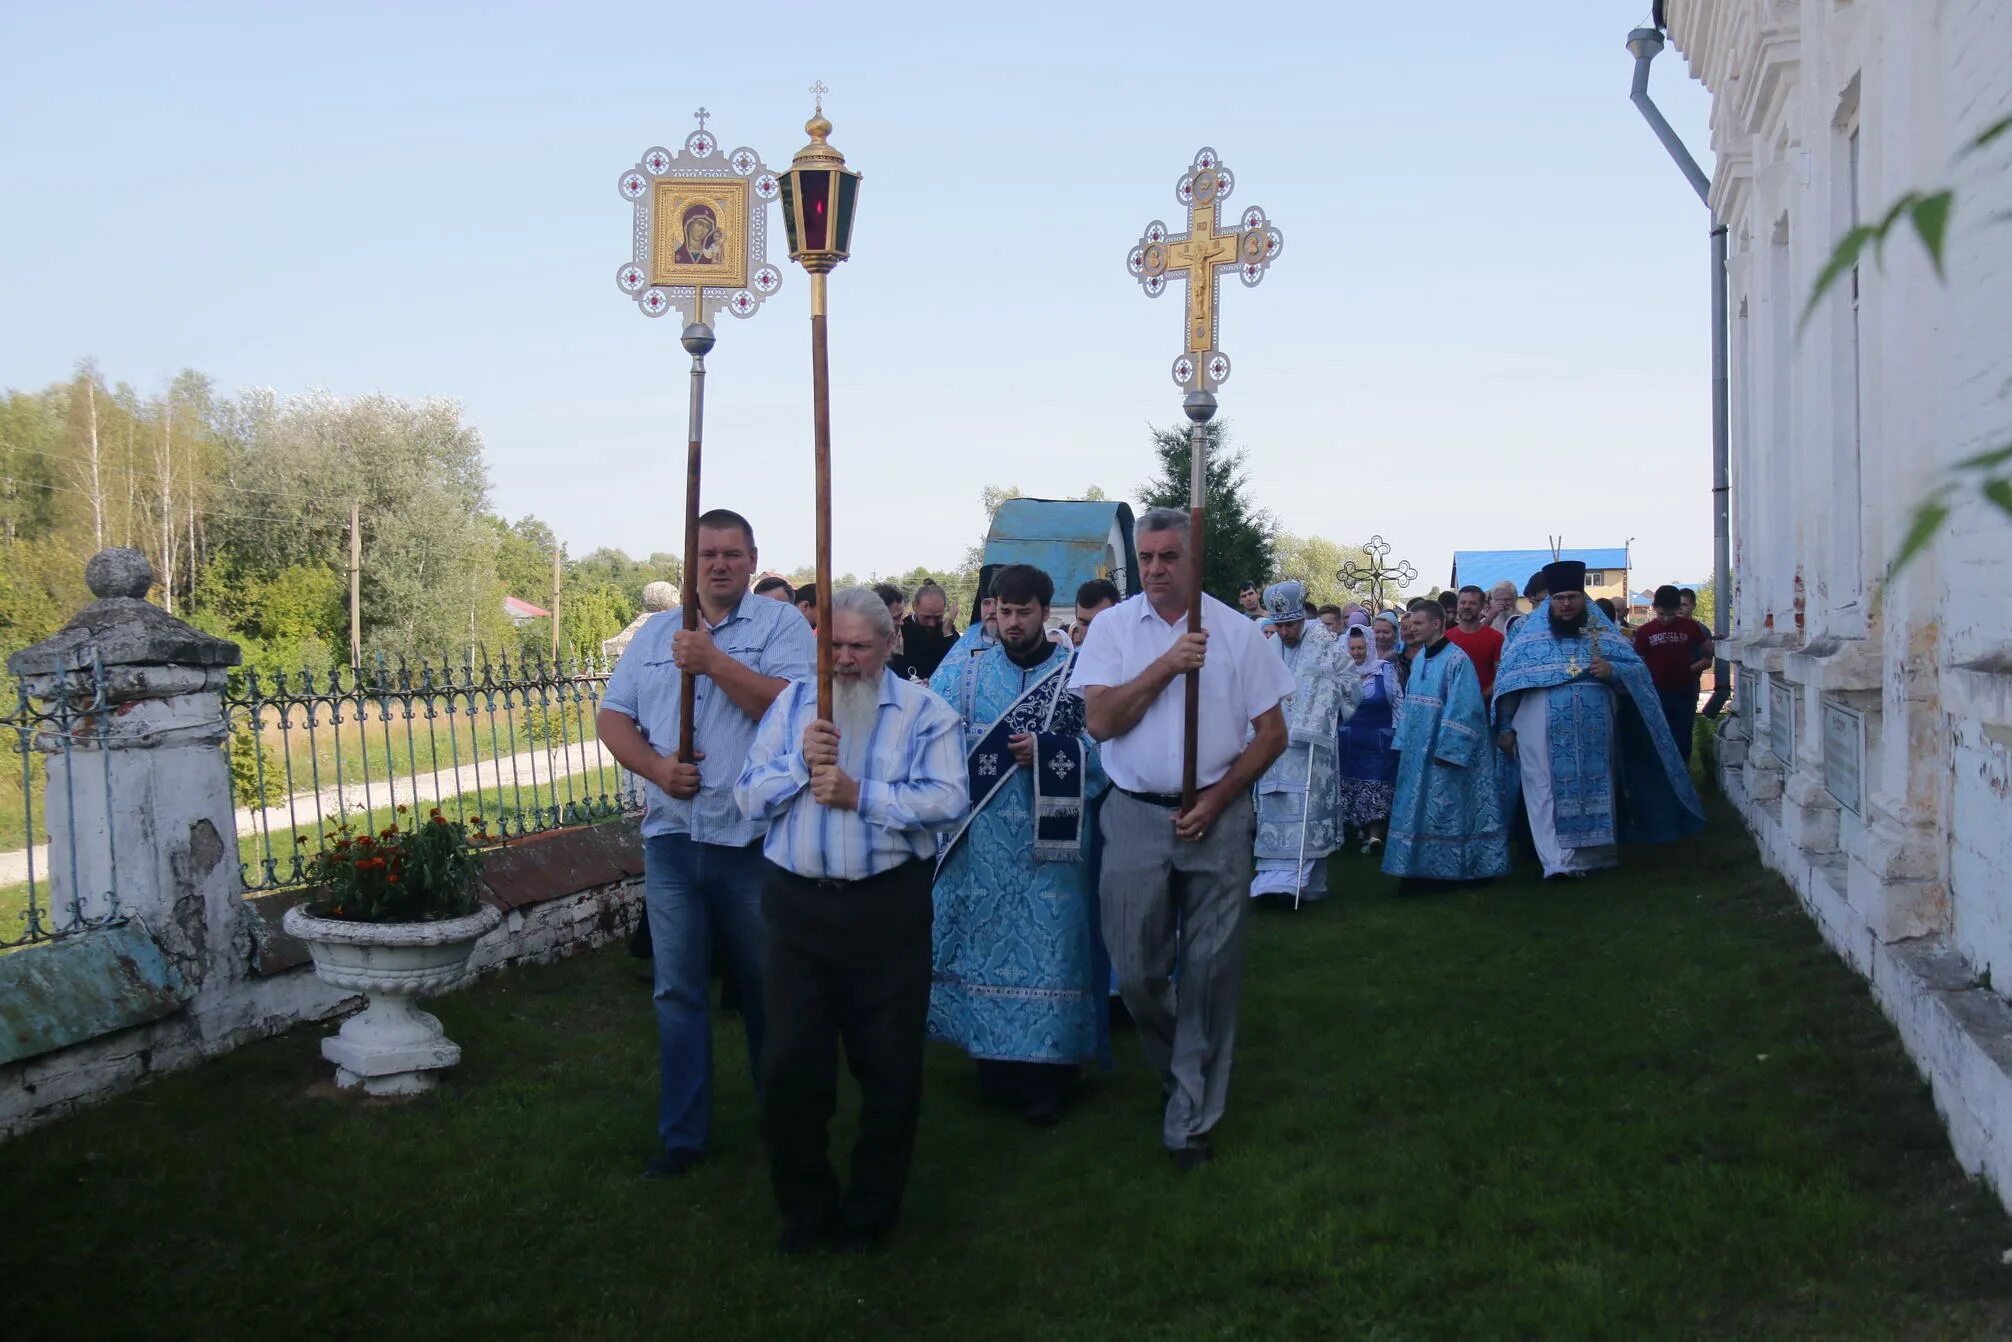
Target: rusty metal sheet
x=77 y=988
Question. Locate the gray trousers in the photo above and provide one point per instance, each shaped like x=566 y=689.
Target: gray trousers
x=1162 y=897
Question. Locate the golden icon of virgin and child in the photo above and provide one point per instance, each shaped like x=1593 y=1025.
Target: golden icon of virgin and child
x=702 y=243
x=701 y=233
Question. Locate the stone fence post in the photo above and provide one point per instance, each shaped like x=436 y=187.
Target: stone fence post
x=142 y=782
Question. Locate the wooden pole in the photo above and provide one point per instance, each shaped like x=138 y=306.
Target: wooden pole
x=558 y=554
x=820 y=378
x=1198 y=465
x=698 y=339
x=355 y=588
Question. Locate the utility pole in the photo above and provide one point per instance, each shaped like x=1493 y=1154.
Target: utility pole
x=558 y=553
x=355 y=585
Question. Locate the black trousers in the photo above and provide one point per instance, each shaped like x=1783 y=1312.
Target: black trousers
x=848 y=962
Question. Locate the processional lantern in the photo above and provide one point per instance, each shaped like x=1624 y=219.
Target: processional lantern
x=700 y=224
x=1200 y=254
x=819 y=194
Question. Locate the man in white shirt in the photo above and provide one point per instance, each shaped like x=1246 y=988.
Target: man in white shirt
x=1173 y=883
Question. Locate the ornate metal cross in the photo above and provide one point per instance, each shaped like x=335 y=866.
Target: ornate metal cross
x=1201 y=255
x=1376 y=573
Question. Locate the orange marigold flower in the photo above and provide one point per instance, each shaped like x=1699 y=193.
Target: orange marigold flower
x=435 y=812
x=391 y=879
x=403 y=808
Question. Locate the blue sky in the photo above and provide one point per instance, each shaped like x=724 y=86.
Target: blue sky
x=1488 y=324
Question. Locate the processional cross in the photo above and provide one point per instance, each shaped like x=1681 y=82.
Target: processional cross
x=1376 y=573
x=1201 y=255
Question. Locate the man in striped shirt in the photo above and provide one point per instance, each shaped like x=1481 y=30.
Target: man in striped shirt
x=853 y=808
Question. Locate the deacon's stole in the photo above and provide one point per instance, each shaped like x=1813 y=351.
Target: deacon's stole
x=1054 y=717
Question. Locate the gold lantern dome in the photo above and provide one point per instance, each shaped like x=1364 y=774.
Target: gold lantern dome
x=819 y=195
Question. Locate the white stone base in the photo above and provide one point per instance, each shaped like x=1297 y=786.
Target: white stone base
x=390 y=1047
x=1958 y=1031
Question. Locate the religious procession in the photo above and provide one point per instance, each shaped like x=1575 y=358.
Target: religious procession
x=1000 y=839
x=1461 y=793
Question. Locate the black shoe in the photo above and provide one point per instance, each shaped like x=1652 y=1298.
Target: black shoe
x=671 y=1164
x=861 y=1239
x=1192 y=1157
x=1566 y=876
x=801 y=1239
x=1045 y=1112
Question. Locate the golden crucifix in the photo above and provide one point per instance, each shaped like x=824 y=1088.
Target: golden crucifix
x=1201 y=255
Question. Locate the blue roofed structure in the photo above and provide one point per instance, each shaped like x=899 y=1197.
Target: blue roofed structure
x=1485 y=568
x=1072 y=540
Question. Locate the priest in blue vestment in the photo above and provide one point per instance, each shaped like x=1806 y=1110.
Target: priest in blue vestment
x=1575 y=705
x=1020 y=976
x=1298 y=825
x=1446 y=820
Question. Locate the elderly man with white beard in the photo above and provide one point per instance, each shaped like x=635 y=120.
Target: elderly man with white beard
x=853 y=808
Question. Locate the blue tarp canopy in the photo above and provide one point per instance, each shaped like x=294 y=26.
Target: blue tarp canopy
x=1485 y=568
x=1071 y=540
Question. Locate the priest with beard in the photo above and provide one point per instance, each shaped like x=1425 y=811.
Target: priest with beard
x=1298 y=821
x=1020 y=974
x=1577 y=709
x=852 y=808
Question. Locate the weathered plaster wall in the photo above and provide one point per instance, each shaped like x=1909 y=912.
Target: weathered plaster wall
x=1840 y=428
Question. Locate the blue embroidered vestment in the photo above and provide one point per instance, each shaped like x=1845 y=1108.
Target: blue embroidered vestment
x=1018 y=967
x=1446 y=821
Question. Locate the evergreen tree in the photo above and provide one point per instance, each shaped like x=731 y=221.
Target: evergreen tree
x=1240 y=537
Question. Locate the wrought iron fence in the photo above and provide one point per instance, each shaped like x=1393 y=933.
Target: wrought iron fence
x=59 y=855
x=512 y=745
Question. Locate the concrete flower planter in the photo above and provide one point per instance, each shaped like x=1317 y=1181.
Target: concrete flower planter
x=391 y=1047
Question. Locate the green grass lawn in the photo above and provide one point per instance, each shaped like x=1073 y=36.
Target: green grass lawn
x=1649 y=1105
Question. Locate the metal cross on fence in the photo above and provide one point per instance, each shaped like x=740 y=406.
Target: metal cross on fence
x=1376 y=573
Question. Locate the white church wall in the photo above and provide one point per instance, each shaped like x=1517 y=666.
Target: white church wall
x=1873 y=757
x=1976 y=550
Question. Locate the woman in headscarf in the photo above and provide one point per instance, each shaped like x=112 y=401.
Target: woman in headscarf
x=1366 y=765
x=1386 y=640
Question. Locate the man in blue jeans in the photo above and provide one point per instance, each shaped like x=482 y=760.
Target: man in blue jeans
x=702 y=861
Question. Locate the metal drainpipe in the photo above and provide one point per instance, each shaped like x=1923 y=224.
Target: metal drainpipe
x=1645 y=44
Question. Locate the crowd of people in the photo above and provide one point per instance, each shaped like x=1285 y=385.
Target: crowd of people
x=983 y=836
